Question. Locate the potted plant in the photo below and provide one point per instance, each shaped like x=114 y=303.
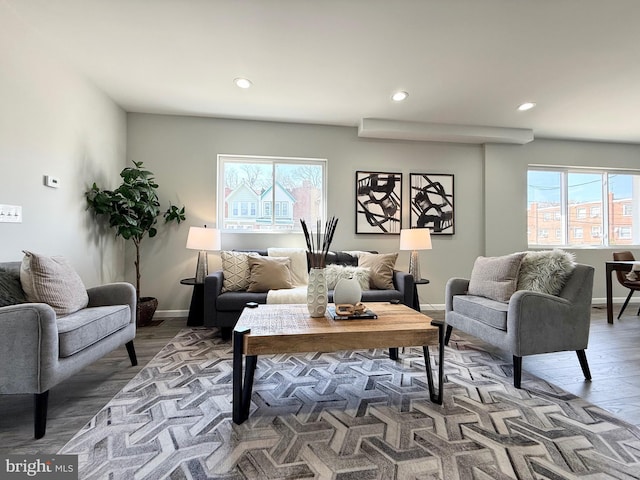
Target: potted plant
x=132 y=210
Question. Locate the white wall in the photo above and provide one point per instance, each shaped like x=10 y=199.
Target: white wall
x=182 y=151
x=54 y=122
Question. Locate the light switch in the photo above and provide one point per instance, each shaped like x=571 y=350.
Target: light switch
x=11 y=213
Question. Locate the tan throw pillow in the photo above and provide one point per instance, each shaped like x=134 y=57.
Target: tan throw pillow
x=495 y=277
x=269 y=273
x=235 y=269
x=298 y=257
x=381 y=267
x=52 y=280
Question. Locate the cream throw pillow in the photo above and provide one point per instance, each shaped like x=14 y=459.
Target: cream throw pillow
x=52 y=280
x=235 y=268
x=381 y=267
x=495 y=277
x=269 y=273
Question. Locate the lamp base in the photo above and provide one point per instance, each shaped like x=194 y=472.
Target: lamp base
x=202 y=269
x=414 y=265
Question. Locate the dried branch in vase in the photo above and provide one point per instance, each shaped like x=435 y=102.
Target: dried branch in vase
x=318 y=247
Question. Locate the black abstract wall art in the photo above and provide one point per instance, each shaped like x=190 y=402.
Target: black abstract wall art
x=378 y=202
x=432 y=202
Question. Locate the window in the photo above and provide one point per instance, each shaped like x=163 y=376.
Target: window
x=264 y=194
x=546 y=216
x=624 y=233
x=544 y=233
x=583 y=200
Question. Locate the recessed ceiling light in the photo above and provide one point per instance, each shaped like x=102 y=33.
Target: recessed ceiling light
x=242 y=82
x=526 y=106
x=399 y=96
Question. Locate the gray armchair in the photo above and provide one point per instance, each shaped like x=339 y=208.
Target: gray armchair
x=38 y=350
x=530 y=323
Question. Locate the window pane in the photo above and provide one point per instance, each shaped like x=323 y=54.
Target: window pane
x=543 y=207
x=270 y=194
x=584 y=192
x=303 y=182
x=624 y=193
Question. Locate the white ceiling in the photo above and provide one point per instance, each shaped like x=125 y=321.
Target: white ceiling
x=463 y=62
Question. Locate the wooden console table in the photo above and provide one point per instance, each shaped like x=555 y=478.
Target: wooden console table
x=274 y=328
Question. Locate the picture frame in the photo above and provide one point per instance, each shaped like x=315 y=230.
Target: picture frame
x=432 y=202
x=378 y=202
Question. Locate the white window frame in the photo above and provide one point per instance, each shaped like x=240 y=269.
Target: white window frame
x=273 y=160
x=604 y=209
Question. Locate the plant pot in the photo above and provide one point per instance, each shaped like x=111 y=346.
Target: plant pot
x=146 y=308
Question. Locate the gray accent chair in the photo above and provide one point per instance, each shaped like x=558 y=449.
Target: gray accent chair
x=530 y=323
x=38 y=350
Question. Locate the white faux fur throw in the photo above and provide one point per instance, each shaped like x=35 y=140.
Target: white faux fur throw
x=288 y=295
x=545 y=271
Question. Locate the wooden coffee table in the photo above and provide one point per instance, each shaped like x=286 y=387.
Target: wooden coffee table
x=273 y=329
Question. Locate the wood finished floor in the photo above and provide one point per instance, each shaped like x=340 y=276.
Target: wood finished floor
x=613 y=354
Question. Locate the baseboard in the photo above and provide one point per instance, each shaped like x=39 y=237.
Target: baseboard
x=423 y=306
x=171 y=313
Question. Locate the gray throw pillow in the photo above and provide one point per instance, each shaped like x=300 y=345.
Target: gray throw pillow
x=10 y=289
x=495 y=277
x=52 y=280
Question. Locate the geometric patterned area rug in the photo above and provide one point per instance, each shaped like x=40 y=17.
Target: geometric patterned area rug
x=348 y=415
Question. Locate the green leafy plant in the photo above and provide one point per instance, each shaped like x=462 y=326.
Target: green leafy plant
x=133 y=208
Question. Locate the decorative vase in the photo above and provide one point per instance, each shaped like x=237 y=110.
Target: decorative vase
x=317 y=292
x=347 y=291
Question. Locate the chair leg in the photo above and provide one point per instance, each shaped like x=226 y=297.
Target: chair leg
x=40 y=403
x=447 y=335
x=625 y=303
x=132 y=353
x=517 y=371
x=582 y=358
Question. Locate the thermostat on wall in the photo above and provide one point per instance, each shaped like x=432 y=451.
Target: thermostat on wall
x=50 y=181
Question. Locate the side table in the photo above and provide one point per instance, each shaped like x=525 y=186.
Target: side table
x=196 y=309
x=416 y=299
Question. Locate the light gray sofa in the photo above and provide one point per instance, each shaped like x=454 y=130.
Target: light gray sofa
x=530 y=323
x=39 y=350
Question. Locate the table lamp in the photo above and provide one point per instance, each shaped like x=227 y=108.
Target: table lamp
x=203 y=239
x=415 y=239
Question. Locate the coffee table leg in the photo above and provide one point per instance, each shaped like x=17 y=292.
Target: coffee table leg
x=393 y=353
x=435 y=397
x=242 y=393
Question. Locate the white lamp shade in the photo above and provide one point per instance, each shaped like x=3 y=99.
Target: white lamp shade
x=415 y=239
x=202 y=238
